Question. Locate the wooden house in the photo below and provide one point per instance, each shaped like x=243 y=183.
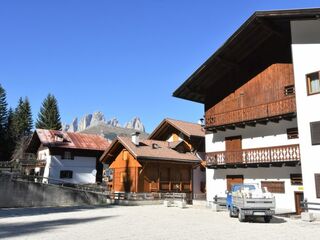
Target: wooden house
x=253 y=108
x=150 y=165
x=193 y=135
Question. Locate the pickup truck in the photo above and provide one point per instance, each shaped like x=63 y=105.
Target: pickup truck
x=249 y=200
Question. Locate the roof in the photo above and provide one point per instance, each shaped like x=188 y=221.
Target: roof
x=187 y=128
x=68 y=140
x=264 y=39
x=150 y=150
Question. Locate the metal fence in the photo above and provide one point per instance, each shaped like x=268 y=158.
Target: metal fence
x=310 y=206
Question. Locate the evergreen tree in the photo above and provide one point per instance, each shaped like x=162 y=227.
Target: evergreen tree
x=3 y=112
x=49 y=116
x=22 y=119
x=10 y=135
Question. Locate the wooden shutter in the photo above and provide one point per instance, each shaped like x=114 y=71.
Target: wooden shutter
x=315 y=133
x=273 y=186
x=317 y=183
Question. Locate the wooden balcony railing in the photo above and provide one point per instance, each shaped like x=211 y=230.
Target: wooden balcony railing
x=289 y=153
x=267 y=110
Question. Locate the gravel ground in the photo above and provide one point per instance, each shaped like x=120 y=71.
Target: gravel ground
x=144 y=222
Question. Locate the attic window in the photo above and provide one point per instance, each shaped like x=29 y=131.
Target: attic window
x=289 y=90
x=67 y=155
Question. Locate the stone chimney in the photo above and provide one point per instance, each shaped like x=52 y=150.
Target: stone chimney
x=135 y=138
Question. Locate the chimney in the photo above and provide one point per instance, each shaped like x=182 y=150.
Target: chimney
x=135 y=138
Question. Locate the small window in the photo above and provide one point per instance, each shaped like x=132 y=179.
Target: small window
x=313 y=83
x=273 y=186
x=292 y=133
x=66 y=174
x=67 y=155
x=296 y=179
x=289 y=90
x=317 y=183
x=315 y=133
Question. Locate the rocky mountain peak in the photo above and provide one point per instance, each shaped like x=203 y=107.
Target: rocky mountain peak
x=98 y=118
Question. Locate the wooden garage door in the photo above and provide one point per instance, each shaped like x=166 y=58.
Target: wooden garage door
x=233 y=179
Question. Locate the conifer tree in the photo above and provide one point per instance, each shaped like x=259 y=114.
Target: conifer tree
x=10 y=135
x=3 y=121
x=3 y=112
x=49 y=116
x=22 y=118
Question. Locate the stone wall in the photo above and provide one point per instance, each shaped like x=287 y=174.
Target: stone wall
x=17 y=193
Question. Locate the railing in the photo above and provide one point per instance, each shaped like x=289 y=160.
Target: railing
x=267 y=110
x=255 y=155
x=306 y=205
x=33 y=163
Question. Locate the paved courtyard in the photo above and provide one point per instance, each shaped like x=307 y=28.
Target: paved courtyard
x=144 y=222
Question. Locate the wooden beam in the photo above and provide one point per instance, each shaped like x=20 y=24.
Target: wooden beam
x=252 y=124
x=240 y=125
x=231 y=127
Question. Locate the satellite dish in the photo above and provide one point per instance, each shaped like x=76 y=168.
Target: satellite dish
x=94 y=172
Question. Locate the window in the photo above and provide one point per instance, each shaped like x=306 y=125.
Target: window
x=315 y=133
x=289 y=90
x=296 y=179
x=66 y=174
x=67 y=155
x=292 y=133
x=313 y=83
x=317 y=183
x=273 y=186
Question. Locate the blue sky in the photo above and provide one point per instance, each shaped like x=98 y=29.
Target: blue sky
x=124 y=58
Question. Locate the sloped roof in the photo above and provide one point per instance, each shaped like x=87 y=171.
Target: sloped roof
x=187 y=128
x=262 y=40
x=69 y=140
x=150 y=149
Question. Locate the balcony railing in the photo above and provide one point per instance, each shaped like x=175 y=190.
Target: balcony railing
x=267 y=110
x=289 y=153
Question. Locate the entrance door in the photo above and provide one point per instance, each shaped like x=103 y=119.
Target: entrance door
x=233 y=179
x=233 y=149
x=298 y=197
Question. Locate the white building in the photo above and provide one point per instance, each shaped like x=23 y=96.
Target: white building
x=68 y=157
x=260 y=95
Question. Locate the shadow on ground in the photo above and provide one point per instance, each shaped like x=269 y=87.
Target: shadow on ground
x=22 y=212
x=274 y=220
x=22 y=229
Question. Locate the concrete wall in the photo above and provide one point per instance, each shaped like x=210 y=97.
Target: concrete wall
x=305 y=54
x=217 y=183
x=25 y=194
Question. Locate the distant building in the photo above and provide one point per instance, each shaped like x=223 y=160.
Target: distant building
x=261 y=91
x=68 y=157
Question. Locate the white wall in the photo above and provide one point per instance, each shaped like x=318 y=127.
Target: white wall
x=272 y=134
x=217 y=183
x=82 y=168
x=305 y=54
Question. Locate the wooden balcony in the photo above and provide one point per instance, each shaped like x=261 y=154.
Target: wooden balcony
x=272 y=111
x=275 y=156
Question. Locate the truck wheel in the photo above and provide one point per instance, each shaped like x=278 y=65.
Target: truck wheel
x=267 y=219
x=242 y=218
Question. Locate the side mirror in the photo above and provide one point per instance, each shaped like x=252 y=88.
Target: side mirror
x=226 y=192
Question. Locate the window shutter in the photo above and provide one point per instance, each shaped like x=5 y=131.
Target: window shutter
x=317 y=183
x=315 y=132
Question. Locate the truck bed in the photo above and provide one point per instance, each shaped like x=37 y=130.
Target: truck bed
x=253 y=203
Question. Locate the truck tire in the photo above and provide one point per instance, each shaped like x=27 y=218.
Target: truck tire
x=241 y=217
x=267 y=219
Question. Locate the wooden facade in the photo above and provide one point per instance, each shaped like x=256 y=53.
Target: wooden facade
x=268 y=95
x=268 y=155
x=132 y=175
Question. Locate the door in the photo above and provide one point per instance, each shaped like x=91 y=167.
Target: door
x=233 y=179
x=298 y=198
x=233 y=149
